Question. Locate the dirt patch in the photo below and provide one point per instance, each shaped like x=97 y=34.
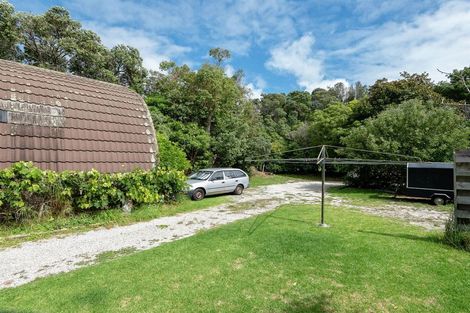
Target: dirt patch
x=426 y=218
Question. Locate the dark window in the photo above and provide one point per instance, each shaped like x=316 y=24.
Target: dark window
x=239 y=174
x=3 y=116
x=231 y=174
x=217 y=176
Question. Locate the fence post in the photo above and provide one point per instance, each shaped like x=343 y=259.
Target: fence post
x=462 y=187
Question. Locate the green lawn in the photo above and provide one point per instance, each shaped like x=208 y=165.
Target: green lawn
x=11 y=235
x=276 y=262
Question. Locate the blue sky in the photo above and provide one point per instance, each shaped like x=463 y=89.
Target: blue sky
x=285 y=45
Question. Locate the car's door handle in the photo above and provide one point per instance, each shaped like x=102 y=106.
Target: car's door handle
x=236 y=181
x=223 y=182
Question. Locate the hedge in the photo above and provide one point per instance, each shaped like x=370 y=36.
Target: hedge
x=28 y=192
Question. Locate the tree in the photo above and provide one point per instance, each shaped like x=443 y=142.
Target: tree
x=357 y=91
x=126 y=64
x=413 y=128
x=330 y=124
x=385 y=93
x=9 y=32
x=89 y=58
x=49 y=39
x=322 y=98
x=458 y=88
x=340 y=90
x=219 y=55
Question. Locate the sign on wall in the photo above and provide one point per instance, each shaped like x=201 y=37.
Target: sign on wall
x=25 y=113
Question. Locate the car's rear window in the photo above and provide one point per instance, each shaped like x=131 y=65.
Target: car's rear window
x=234 y=174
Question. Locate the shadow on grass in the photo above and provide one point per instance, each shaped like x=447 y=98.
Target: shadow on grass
x=430 y=238
x=377 y=194
x=260 y=219
x=15 y=311
x=316 y=304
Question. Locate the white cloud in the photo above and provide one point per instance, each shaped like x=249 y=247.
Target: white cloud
x=256 y=88
x=298 y=58
x=254 y=92
x=430 y=41
x=153 y=48
x=229 y=70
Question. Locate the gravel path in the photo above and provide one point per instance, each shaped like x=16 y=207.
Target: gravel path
x=31 y=260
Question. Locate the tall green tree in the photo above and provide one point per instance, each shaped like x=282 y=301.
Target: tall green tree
x=90 y=58
x=385 y=93
x=9 y=32
x=127 y=66
x=49 y=39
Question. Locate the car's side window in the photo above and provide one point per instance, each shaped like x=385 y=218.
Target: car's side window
x=239 y=174
x=230 y=174
x=217 y=176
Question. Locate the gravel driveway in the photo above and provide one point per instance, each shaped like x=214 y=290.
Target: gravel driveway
x=31 y=260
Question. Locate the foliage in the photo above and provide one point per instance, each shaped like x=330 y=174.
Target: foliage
x=458 y=86
x=385 y=93
x=9 y=32
x=328 y=126
x=412 y=128
x=55 y=41
x=171 y=156
x=28 y=192
x=126 y=64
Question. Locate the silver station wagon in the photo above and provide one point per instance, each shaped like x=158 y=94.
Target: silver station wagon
x=214 y=181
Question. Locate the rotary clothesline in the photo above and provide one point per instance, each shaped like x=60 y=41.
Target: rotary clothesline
x=323 y=159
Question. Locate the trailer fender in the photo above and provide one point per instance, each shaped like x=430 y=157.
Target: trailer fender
x=440 y=198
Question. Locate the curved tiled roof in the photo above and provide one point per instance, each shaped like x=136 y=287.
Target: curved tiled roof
x=65 y=122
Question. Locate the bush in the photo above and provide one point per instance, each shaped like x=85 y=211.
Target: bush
x=457 y=236
x=172 y=156
x=28 y=192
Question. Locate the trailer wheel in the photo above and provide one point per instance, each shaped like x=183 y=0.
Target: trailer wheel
x=438 y=200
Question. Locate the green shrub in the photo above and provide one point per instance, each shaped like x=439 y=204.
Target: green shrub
x=456 y=235
x=171 y=155
x=27 y=192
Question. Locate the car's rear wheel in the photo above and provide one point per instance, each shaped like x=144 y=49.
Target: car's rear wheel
x=238 y=190
x=198 y=194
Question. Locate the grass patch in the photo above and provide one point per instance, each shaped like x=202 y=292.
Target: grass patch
x=11 y=235
x=111 y=255
x=276 y=262
x=371 y=197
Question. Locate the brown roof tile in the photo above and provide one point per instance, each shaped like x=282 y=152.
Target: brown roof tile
x=61 y=121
